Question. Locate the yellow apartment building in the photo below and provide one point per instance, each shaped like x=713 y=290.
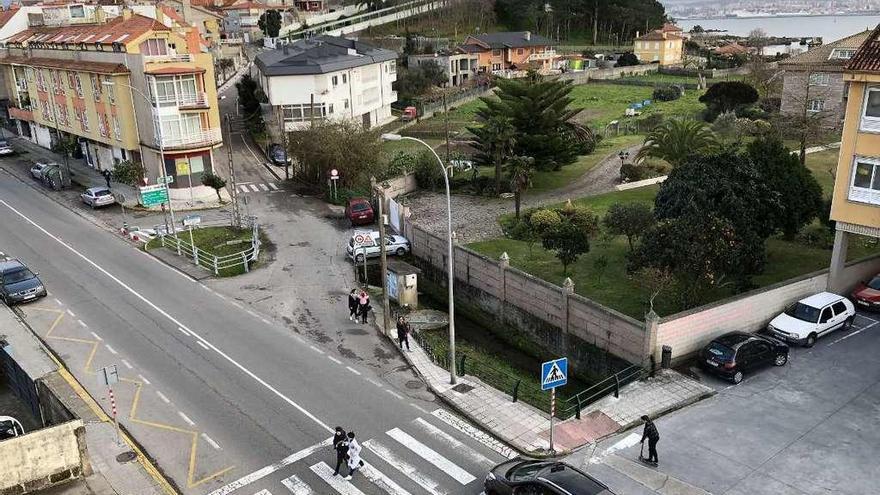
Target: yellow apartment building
x=856 y=202
x=663 y=46
x=127 y=87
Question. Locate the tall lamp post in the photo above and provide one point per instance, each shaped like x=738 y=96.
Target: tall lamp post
x=451 y=263
x=158 y=125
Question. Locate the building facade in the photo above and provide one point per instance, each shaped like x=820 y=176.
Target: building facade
x=514 y=50
x=664 y=47
x=127 y=88
x=460 y=65
x=328 y=77
x=856 y=202
x=813 y=82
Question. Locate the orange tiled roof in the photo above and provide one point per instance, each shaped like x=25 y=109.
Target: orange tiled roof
x=55 y=63
x=670 y=28
x=117 y=29
x=731 y=49
x=6 y=15
x=174 y=15
x=249 y=6
x=658 y=35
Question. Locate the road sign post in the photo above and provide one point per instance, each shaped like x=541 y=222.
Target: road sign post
x=334 y=179
x=362 y=240
x=553 y=374
x=107 y=376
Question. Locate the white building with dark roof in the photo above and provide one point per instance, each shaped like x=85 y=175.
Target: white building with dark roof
x=328 y=77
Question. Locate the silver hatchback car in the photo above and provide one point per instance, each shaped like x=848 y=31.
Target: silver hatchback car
x=97 y=196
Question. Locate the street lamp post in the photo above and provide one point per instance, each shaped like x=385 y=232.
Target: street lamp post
x=158 y=123
x=450 y=261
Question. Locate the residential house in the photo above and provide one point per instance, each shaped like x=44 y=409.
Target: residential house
x=731 y=50
x=127 y=88
x=460 y=66
x=659 y=46
x=813 y=81
x=328 y=77
x=514 y=50
x=241 y=19
x=855 y=205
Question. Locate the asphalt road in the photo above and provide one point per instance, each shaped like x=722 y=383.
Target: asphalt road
x=214 y=389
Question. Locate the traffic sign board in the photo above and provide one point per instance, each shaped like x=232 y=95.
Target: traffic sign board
x=191 y=220
x=154 y=195
x=554 y=373
x=363 y=238
x=168 y=179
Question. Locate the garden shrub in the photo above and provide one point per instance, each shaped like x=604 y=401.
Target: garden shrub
x=667 y=93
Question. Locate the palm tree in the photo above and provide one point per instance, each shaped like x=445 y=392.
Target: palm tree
x=495 y=141
x=520 y=170
x=676 y=139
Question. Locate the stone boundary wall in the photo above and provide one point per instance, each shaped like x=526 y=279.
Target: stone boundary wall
x=583 y=77
x=42 y=458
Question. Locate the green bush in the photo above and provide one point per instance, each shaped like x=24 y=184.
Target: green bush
x=544 y=220
x=344 y=194
x=667 y=93
x=632 y=172
x=427 y=172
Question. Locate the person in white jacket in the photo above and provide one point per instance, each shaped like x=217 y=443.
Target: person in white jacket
x=354 y=455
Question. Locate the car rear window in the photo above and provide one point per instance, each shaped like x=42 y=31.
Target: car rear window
x=803 y=312
x=720 y=351
x=360 y=207
x=103 y=192
x=573 y=481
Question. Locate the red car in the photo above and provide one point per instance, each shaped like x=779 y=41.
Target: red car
x=867 y=294
x=359 y=211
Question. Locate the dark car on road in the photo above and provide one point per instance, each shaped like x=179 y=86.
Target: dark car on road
x=19 y=284
x=278 y=155
x=733 y=354
x=540 y=477
x=359 y=211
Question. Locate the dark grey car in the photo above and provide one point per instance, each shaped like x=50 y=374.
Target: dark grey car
x=539 y=477
x=18 y=284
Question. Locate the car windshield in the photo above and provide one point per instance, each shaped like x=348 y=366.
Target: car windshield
x=17 y=276
x=360 y=207
x=720 y=351
x=874 y=283
x=803 y=312
x=525 y=471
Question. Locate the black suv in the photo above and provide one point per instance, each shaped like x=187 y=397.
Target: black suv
x=735 y=353
x=18 y=284
x=538 y=477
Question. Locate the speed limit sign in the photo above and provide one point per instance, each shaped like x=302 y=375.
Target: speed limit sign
x=363 y=238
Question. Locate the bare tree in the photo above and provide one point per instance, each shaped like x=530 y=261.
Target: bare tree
x=808 y=111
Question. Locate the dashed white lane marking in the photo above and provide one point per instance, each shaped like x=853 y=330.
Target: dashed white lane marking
x=432 y=456
x=375 y=382
x=252 y=313
x=57 y=302
x=97 y=337
x=299 y=339
x=71 y=313
x=210 y=441
x=183 y=331
x=331 y=358
x=340 y=485
x=112 y=350
x=221 y=296
x=477 y=434
x=162 y=396
x=356 y=372
x=144 y=379
x=264 y=187
x=186 y=418
x=263 y=492
x=296 y=486
x=267 y=322
x=853 y=334
x=127 y=364
x=382 y=481
x=273 y=186
x=456 y=445
x=266 y=471
x=392 y=392
x=203 y=345
x=319 y=351
x=82 y=323
x=404 y=467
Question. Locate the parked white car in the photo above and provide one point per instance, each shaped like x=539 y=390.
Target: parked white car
x=37 y=170
x=5 y=149
x=805 y=321
x=97 y=196
x=394 y=244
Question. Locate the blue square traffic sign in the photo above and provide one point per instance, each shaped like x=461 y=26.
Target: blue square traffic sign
x=554 y=373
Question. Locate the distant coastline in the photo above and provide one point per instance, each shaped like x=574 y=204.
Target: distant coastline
x=828 y=27
x=773 y=16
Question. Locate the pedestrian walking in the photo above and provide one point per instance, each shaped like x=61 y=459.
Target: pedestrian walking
x=106 y=173
x=340 y=445
x=402 y=332
x=354 y=455
x=353 y=305
x=364 y=307
x=653 y=437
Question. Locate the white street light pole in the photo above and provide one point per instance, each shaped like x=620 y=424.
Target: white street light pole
x=154 y=115
x=451 y=263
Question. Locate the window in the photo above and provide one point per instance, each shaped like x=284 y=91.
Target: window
x=196 y=164
x=62 y=115
x=77 y=12
x=29 y=74
x=496 y=53
x=865 y=186
x=335 y=81
x=176 y=126
x=656 y=45
x=172 y=91
x=519 y=51
x=96 y=85
x=839 y=308
x=303 y=112
x=79 y=87
x=344 y=78
x=117 y=131
x=111 y=94
x=47 y=112
x=820 y=79
x=817 y=105
x=496 y=66
x=103 y=128
x=84 y=122
x=56 y=82
x=871 y=111
x=345 y=103
x=70 y=82
x=842 y=53
x=41 y=80
x=392 y=66
x=826 y=315
x=154 y=47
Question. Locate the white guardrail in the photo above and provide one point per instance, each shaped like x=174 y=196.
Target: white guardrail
x=205 y=259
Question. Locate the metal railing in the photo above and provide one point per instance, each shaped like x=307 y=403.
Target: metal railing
x=183 y=57
x=575 y=404
x=210 y=261
x=205 y=137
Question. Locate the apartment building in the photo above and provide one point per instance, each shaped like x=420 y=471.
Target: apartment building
x=511 y=50
x=328 y=77
x=664 y=46
x=127 y=88
x=856 y=202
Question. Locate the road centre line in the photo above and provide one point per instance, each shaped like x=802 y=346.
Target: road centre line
x=392 y=392
x=162 y=396
x=96 y=336
x=184 y=331
x=68 y=311
x=319 y=351
x=375 y=382
x=127 y=364
x=57 y=301
x=186 y=418
x=210 y=441
x=143 y=379
x=167 y=315
x=81 y=323
x=331 y=358
x=356 y=372
x=112 y=350
x=267 y=322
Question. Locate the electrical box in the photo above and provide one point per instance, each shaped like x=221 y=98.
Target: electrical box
x=410 y=280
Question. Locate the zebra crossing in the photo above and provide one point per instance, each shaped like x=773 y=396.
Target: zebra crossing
x=257 y=187
x=438 y=454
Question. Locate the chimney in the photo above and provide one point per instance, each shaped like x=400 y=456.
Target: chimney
x=126 y=13
x=527 y=35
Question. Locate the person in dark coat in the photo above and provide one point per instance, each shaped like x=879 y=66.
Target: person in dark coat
x=352 y=305
x=106 y=173
x=653 y=437
x=340 y=445
x=364 y=307
x=402 y=332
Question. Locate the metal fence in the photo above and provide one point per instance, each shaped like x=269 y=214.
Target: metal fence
x=210 y=261
x=575 y=404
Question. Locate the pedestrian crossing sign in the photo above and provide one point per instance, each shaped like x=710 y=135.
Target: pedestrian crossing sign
x=554 y=373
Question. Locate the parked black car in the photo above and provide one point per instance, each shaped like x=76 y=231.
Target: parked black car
x=17 y=283
x=540 y=477
x=735 y=353
x=277 y=155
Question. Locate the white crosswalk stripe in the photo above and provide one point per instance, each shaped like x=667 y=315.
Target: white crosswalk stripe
x=431 y=456
x=264 y=187
x=260 y=187
x=339 y=484
x=243 y=188
x=296 y=486
x=382 y=481
x=254 y=188
x=455 y=444
x=404 y=467
x=263 y=492
x=273 y=186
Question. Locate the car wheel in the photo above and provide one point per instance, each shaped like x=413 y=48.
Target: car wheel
x=780 y=360
x=811 y=340
x=737 y=377
x=400 y=251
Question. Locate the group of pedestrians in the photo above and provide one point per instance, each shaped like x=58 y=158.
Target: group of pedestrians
x=358 y=306
x=348 y=452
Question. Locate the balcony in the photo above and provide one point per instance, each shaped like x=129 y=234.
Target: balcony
x=171 y=57
x=206 y=137
x=21 y=114
x=541 y=56
x=198 y=101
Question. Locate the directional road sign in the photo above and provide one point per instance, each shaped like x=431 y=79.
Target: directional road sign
x=554 y=373
x=154 y=195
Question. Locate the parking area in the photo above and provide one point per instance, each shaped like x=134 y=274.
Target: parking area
x=809 y=427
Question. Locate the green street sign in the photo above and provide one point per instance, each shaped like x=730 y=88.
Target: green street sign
x=153 y=195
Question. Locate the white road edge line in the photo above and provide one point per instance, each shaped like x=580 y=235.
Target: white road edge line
x=331 y=358
x=143 y=379
x=375 y=382
x=184 y=331
x=112 y=350
x=97 y=336
x=210 y=441
x=267 y=322
x=162 y=396
x=186 y=418
x=174 y=320
x=127 y=364
x=356 y=372
x=392 y=392
x=319 y=351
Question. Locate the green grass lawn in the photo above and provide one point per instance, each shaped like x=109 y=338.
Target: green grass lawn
x=823 y=164
x=217 y=241
x=548 y=181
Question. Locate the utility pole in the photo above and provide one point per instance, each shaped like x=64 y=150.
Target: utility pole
x=386 y=308
x=236 y=212
x=283 y=131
